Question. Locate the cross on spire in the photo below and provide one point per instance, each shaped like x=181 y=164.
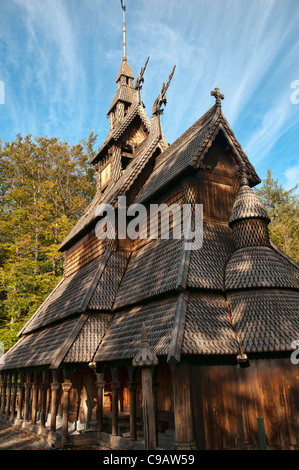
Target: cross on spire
x=218 y=96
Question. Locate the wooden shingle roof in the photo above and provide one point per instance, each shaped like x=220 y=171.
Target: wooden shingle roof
x=209 y=301
x=187 y=152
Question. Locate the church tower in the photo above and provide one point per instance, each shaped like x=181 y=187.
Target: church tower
x=128 y=123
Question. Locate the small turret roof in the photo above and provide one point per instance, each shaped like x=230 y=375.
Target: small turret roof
x=247 y=206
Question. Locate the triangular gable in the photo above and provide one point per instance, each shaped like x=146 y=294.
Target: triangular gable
x=189 y=150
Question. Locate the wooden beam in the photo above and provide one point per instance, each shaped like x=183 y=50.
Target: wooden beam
x=69 y=341
x=175 y=346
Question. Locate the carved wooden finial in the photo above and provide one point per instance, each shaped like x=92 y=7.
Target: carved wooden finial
x=243 y=174
x=144 y=357
x=218 y=96
x=161 y=98
x=140 y=78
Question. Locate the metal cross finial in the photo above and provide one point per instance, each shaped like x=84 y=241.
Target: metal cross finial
x=123 y=5
x=218 y=96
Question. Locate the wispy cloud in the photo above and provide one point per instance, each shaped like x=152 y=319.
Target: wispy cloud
x=61 y=57
x=292 y=176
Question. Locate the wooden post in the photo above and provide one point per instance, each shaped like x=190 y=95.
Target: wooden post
x=3 y=392
x=100 y=385
x=133 y=430
x=184 y=434
x=155 y=402
x=146 y=359
x=34 y=398
x=8 y=398
x=14 y=395
x=27 y=387
x=114 y=388
x=66 y=387
x=43 y=398
x=20 y=400
x=54 y=389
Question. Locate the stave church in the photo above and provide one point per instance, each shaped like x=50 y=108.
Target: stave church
x=145 y=344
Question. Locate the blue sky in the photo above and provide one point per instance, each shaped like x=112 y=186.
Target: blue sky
x=59 y=60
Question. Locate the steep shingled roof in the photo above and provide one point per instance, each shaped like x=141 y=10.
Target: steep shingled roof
x=204 y=302
x=187 y=152
x=118 y=188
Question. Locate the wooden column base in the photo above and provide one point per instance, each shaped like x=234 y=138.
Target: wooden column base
x=185 y=445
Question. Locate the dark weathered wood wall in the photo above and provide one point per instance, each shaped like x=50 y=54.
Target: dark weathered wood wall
x=228 y=399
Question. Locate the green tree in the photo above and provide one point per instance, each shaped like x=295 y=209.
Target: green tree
x=283 y=210
x=44 y=187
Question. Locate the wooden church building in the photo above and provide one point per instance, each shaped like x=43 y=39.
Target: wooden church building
x=220 y=320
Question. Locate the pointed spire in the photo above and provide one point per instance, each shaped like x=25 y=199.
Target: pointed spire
x=218 y=96
x=125 y=69
x=124 y=30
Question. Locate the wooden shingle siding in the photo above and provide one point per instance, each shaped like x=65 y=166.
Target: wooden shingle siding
x=85 y=251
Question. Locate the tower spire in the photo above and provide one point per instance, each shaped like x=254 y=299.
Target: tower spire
x=124 y=30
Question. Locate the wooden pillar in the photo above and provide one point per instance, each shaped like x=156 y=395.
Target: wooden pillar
x=184 y=434
x=14 y=395
x=155 y=404
x=27 y=388
x=66 y=387
x=43 y=398
x=3 y=393
x=148 y=409
x=100 y=385
x=145 y=359
x=133 y=429
x=8 y=398
x=114 y=388
x=35 y=387
x=20 y=400
x=54 y=394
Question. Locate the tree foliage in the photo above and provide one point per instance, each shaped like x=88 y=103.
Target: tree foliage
x=44 y=187
x=283 y=210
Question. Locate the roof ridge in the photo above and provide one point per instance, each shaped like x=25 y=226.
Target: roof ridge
x=196 y=127
x=39 y=308
x=69 y=341
x=238 y=145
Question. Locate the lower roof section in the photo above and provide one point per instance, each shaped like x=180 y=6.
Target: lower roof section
x=40 y=348
x=72 y=341
x=93 y=287
x=123 y=338
x=266 y=320
x=208 y=328
x=66 y=299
